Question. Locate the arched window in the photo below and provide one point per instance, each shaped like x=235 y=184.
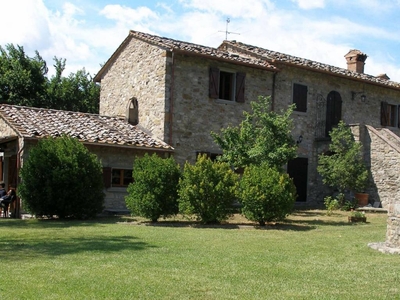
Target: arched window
x=132 y=112
x=333 y=111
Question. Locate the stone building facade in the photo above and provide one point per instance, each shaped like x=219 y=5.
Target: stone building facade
x=173 y=85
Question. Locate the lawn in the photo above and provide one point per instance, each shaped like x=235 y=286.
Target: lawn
x=309 y=256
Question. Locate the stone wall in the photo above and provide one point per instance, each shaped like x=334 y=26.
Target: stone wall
x=139 y=71
x=385 y=168
x=195 y=114
x=354 y=111
x=117 y=158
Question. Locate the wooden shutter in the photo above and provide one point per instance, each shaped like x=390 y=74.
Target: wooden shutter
x=240 y=84
x=384 y=114
x=107 y=177
x=300 y=97
x=398 y=116
x=214 y=83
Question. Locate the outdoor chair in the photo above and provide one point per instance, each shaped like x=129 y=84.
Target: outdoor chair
x=5 y=206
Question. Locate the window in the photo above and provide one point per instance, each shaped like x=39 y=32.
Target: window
x=226 y=85
x=300 y=97
x=121 y=177
x=132 y=113
x=390 y=115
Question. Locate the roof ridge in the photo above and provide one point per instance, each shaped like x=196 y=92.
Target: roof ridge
x=294 y=60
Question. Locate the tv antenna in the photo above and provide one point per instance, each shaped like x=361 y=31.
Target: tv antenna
x=226 y=31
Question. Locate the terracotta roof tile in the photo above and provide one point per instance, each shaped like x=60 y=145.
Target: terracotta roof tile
x=303 y=62
x=171 y=44
x=91 y=128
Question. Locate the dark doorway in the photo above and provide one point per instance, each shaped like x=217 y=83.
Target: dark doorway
x=333 y=111
x=298 y=170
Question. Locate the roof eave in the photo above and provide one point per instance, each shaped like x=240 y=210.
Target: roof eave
x=190 y=53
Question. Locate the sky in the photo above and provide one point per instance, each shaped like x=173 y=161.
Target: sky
x=87 y=32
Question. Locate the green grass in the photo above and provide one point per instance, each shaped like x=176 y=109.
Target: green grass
x=310 y=256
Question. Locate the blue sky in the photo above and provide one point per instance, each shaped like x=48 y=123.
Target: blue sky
x=87 y=32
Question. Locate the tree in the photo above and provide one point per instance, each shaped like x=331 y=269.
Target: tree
x=77 y=92
x=207 y=189
x=154 y=191
x=263 y=136
x=343 y=167
x=23 y=81
x=266 y=194
x=61 y=177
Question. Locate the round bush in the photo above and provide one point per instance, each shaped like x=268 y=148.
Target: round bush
x=266 y=194
x=154 y=191
x=207 y=190
x=61 y=177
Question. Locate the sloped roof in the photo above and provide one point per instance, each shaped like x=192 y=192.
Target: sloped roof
x=187 y=48
x=36 y=123
x=274 y=56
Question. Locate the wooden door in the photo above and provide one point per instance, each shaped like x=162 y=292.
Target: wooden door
x=298 y=170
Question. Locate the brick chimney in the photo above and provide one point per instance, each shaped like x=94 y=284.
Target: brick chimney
x=355 y=61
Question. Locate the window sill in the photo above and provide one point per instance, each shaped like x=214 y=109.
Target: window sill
x=228 y=102
x=300 y=113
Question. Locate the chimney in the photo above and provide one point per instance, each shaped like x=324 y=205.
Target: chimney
x=383 y=76
x=355 y=61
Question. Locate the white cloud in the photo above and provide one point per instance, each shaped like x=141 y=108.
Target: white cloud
x=128 y=15
x=24 y=23
x=310 y=4
x=232 y=8
x=88 y=35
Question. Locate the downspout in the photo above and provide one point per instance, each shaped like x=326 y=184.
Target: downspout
x=273 y=91
x=171 y=106
x=18 y=202
x=19 y=159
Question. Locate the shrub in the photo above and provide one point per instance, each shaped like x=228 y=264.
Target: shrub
x=154 y=191
x=207 y=190
x=266 y=194
x=61 y=177
x=331 y=204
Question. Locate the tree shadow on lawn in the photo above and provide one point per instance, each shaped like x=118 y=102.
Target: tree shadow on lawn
x=25 y=249
x=54 y=223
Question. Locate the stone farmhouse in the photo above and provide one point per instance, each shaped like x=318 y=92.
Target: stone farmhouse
x=179 y=92
x=161 y=95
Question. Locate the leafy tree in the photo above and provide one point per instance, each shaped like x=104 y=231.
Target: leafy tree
x=266 y=194
x=61 y=177
x=343 y=168
x=77 y=92
x=154 y=192
x=23 y=81
x=207 y=189
x=263 y=136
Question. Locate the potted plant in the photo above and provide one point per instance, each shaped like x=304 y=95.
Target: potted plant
x=343 y=167
x=357 y=216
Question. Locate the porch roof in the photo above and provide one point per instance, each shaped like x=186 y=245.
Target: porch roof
x=36 y=123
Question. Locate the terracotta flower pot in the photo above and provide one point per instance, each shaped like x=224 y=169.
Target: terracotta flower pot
x=362 y=199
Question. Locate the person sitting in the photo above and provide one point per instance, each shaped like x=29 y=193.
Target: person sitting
x=7 y=199
x=2 y=189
